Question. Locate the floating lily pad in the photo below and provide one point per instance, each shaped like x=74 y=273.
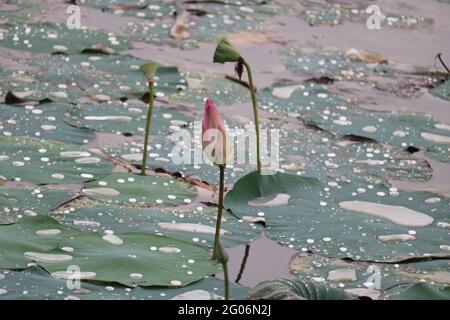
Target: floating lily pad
x=136 y=8
x=205 y=21
x=139 y=190
x=324 y=111
x=301 y=97
x=357 y=219
x=333 y=64
x=224 y=18
x=23 y=236
x=439 y=152
x=44 y=162
x=17 y=203
x=149 y=31
x=397 y=129
x=369 y=279
x=222 y=91
x=25 y=13
x=44 y=121
x=126 y=118
x=422 y=291
x=22 y=86
x=318 y=13
x=196 y=225
x=442 y=91
x=327 y=66
x=49 y=38
x=376 y=160
x=35 y=283
x=140 y=265
x=100 y=77
x=319 y=154
x=126 y=258
x=104 y=75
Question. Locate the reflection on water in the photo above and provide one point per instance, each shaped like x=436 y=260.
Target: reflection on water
x=266 y=260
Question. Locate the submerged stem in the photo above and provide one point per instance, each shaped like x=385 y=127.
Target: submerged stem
x=439 y=56
x=147 y=126
x=219 y=211
x=243 y=264
x=255 y=112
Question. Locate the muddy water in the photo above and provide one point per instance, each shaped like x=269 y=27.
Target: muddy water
x=418 y=47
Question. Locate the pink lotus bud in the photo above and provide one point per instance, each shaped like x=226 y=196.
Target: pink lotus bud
x=214 y=134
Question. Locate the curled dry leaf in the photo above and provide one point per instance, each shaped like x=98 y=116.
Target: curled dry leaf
x=177 y=31
x=364 y=56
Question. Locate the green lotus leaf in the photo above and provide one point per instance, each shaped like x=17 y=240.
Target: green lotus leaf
x=136 y=190
x=378 y=281
x=423 y=291
x=18 y=202
x=44 y=121
x=439 y=152
x=223 y=92
x=129 y=259
x=299 y=289
x=127 y=118
x=49 y=37
x=442 y=91
x=101 y=77
x=44 y=162
x=35 y=283
x=357 y=219
x=196 y=225
x=323 y=110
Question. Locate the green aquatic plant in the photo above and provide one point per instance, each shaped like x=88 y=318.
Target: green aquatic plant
x=148 y=70
x=225 y=52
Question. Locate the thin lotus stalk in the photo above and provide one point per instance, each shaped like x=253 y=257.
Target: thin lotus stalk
x=149 y=71
x=226 y=281
x=148 y=125
x=222 y=257
x=219 y=210
x=255 y=112
x=225 y=52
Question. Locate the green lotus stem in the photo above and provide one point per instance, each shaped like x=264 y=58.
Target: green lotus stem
x=219 y=211
x=255 y=112
x=147 y=126
x=226 y=281
x=222 y=257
